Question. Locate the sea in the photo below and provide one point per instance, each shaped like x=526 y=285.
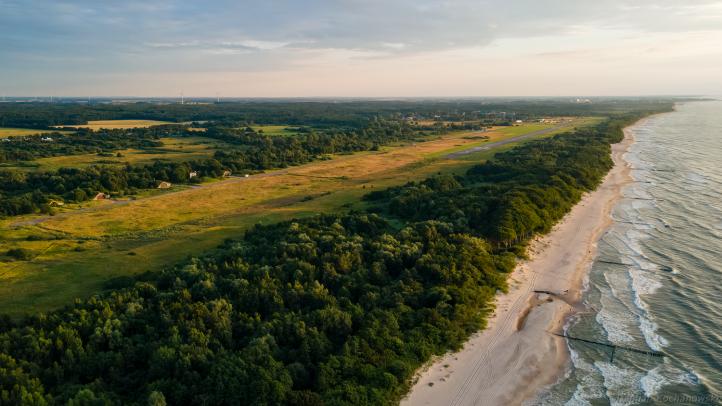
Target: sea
x=656 y=282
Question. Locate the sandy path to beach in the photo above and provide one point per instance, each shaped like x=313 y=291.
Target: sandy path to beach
x=516 y=356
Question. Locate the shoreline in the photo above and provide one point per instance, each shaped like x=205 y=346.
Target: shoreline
x=516 y=357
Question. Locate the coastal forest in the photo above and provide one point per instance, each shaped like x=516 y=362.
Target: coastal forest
x=333 y=309
x=23 y=192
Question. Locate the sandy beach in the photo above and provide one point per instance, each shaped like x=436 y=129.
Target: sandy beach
x=516 y=355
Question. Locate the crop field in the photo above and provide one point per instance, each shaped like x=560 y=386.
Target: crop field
x=117 y=124
x=173 y=149
x=78 y=249
x=6 y=132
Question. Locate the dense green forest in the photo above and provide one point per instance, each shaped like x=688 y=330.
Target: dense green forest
x=334 y=127
x=320 y=113
x=517 y=194
x=336 y=309
x=23 y=192
x=27 y=148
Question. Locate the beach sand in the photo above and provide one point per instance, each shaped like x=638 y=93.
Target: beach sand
x=516 y=356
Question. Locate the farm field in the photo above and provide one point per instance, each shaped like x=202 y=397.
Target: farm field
x=173 y=149
x=77 y=250
x=6 y=132
x=117 y=124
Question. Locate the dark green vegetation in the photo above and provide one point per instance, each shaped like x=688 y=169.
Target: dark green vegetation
x=519 y=193
x=82 y=142
x=22 y=192
x=353 y=113
x=334 y=128
x=328 y=310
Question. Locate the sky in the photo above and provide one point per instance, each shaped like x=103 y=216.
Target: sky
x=360 y=48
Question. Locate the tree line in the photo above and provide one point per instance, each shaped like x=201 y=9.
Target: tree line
x=28 y=148
x=23 y=192
x=519 y=193
x=318 y=113
x=335 y=309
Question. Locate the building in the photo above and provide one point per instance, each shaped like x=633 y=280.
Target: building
x=164 y=185
x=192 y=175
x=226 y=174
x=101 y=196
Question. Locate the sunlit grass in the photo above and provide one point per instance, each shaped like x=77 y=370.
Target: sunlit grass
x=117 y=124
x=84 y=245
x=7 y=132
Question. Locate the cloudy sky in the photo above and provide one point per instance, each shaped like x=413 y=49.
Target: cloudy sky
x=375 y=48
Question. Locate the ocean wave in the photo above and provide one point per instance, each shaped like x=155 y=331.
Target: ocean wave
x=622 y=385
x=655 y=283
x=644 y=283
x=614 y=315
x=589 y=387
x=664 y=375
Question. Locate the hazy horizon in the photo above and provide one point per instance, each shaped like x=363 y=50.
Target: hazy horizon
x=370 y=49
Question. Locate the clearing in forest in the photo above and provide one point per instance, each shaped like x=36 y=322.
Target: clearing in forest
x=77 y=250
x=177 y=149
x=117 y=124
x=7 y=132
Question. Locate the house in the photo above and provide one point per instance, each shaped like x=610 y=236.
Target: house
x=56 y=203
x=192 y=175
x=245 y=176
x=101 y=196
x=46 y=139
x=226 y=174
x=164 y=185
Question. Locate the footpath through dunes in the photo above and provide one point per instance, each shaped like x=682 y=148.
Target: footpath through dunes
x=77 y=250
x=517 y=354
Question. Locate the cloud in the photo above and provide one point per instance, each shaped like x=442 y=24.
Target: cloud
x=56 y=37
x=374 y=25
x=219 y=46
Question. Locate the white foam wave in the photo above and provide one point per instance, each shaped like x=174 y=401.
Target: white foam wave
x=613 y=316
x=621 y=384
x=696 y=178
x=664 y=375
x=643 y=283
x=653 y=382
x=589 y=387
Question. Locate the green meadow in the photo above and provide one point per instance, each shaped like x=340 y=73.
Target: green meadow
x=76 y=251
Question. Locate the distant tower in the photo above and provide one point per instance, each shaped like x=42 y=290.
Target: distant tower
x=182 y=99
x=218 y=97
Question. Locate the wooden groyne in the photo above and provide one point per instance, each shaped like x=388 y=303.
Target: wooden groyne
x=613 y=347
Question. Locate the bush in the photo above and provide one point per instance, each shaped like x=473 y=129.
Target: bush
x=20 y=254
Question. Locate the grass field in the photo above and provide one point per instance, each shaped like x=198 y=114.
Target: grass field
x=116 y=124
x=275 y=129
x=79 y=248
x=173 y=149
x=6 y=132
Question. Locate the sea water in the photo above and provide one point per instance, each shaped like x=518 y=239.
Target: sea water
x=656 y=283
